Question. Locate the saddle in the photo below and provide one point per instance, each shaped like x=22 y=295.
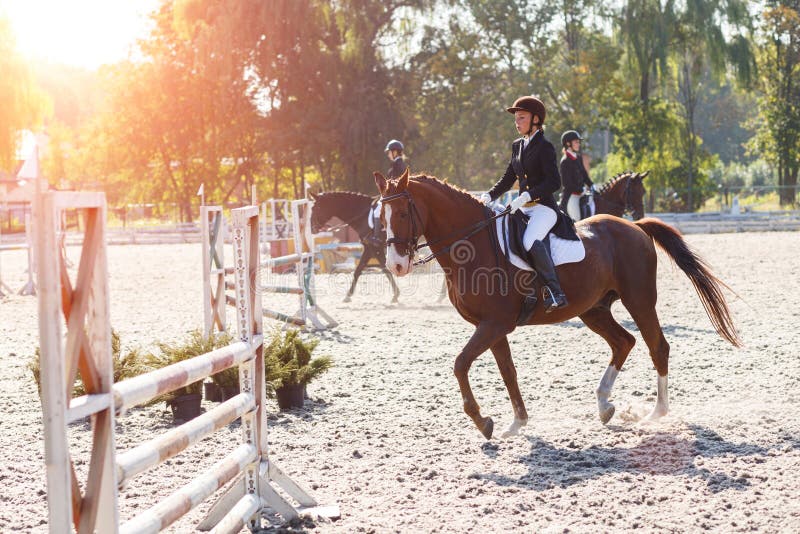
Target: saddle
x=562 y=240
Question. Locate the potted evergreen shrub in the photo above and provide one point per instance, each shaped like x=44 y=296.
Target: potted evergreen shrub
x=289 y=366
x=127 y=366
x=185 y=402
x=227 y=382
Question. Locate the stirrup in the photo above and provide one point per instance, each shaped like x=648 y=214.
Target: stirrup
x=551 y=301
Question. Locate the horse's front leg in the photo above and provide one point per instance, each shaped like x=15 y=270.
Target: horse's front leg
x=362 y=262
x=381 y=256
x=502 y=355
x=485 y=336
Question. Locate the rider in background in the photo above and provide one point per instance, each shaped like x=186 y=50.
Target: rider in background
x=394 y=151
x=573 y=175
x=533 y=165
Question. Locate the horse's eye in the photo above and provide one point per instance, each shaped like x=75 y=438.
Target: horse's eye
x=403 y=215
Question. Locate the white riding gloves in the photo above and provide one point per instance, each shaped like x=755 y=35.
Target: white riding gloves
x=485 y=198
x=518 y=202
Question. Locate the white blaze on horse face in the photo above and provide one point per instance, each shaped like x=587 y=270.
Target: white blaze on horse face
x=399 y=265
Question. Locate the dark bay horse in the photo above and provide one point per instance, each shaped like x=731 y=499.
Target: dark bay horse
x=620 y=263
x=622 y=194
x=353 y=209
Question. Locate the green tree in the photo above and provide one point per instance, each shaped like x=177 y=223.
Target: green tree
x=778 y=137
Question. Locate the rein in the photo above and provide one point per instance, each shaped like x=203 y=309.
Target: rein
x=412 y=243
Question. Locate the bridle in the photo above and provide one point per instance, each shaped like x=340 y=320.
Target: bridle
x=412 y=245
x=627 y=206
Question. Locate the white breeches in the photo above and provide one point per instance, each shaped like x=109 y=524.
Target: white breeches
x=376 y=215
x=574 y=207
x=542 y=219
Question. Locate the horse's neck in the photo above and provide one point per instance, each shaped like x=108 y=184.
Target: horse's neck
x=448 y=215
x=616 y=192
x=354 y=211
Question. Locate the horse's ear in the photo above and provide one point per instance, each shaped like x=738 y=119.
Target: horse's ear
x=312 y=195
x=644 y=175
x=402 y=183
x=380 y=181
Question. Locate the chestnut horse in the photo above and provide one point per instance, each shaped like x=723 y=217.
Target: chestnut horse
x=620 y=263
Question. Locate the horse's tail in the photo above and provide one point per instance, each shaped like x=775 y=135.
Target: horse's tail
x=708 y=286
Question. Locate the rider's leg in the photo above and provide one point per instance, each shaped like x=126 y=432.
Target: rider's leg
x=542 y=219
x=574 y=207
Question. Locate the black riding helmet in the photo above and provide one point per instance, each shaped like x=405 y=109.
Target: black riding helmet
x=394 y=144
x=569 y=136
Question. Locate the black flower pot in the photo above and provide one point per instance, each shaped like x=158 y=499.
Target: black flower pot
x=212 y=392
x=290 y=396
x=185 y=407
x=228 y=392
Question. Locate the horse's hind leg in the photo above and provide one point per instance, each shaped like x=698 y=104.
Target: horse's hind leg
x=643 y=312
x=395 y=289
x=502 y=355
x=601 y=321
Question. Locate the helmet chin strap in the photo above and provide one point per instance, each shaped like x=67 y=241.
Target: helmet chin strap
x=530 y=128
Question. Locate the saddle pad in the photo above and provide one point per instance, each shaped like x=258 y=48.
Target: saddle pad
x=374 y=214
x=561 y=250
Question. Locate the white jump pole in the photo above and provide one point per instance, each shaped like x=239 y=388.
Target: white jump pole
x=4 y=289
x=29 y=288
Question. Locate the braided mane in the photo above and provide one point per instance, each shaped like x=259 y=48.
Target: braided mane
x=614 y=181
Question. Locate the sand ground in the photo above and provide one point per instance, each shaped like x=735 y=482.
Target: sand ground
x=385 y=437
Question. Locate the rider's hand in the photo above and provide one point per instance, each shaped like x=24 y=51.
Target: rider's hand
x=485 y=198
x=523 y=198
x=593 y=189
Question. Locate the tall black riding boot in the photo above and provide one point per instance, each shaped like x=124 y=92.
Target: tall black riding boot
x=554 y=297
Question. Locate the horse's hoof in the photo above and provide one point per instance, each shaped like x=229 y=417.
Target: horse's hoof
x=395 y=300
x=488 y=427
x=655 y=415
x=513 y=428
x=607 y=414
x=346 y=299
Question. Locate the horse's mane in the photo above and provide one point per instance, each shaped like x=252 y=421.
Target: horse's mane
x=614 y=181
x=350 y=195
x=446 y=187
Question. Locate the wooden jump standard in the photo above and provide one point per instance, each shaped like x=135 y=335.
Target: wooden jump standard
x=214 y=272
x=85 y=308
